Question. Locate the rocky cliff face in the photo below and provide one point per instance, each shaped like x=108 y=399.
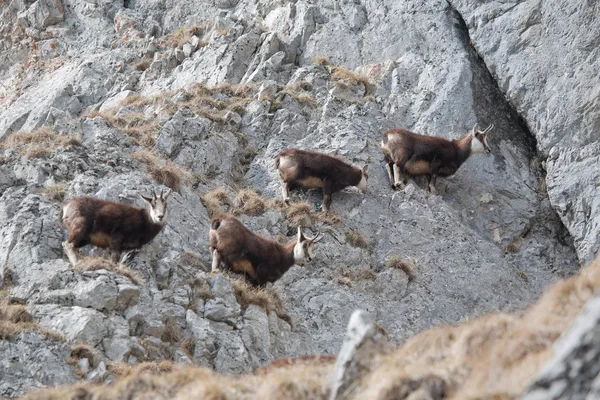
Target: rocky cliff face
x=112 y=99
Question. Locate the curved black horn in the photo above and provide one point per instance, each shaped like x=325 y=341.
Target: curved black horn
x=161 y=193
x=317 y=237
x=153 y=193
x=489 y=128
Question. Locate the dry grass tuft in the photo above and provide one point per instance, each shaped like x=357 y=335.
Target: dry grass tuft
x=320 y=60
x=123 y=370
x=395 y=261
x=182 y=36
x=56 y=192
x=345 y=78
x=98 y=263
x=511 y=247
x=249 y=202
x=367 y=274
x=172 y=332
x=201 y=289
x=81 y=351
x=214 y=201
x=299 y=214
x=142 y=64
x=39 y=143
x=357 y=239
x=267 y=299
x=164 y=172
x=188 y=346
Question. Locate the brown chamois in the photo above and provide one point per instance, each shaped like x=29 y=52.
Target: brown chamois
x=408 y=153
x=310 y=170
x=107 y=224
x=261 y=259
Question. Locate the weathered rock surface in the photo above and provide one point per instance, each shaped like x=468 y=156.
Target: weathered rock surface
x=491 y=240
x=574 y=371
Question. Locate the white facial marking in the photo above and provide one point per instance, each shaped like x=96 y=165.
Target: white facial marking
x=299 y=257
x=158 y=212
x=362 y=185
x=476 y=146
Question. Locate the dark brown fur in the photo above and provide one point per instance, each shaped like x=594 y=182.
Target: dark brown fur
x=261 y=259
x=418 y=154
x=333 y=173
x=107 y=224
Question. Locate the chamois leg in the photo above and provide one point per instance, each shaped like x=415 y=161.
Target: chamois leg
x=285 y=192
x=435 y=167
x=398 y=178
x=115 y=247
x=326 y=196
x=388 y=168
x=216 y=260
x=70 y=251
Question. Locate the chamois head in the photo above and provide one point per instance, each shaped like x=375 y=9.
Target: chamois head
x=158 y=206
x=479 y=143
x=303 y=250
x=362 y=185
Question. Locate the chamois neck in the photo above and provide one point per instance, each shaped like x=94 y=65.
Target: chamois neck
x=463 y=148
x=288 y=255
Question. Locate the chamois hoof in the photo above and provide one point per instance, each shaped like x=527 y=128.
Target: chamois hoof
x=398 y=186
x=433 y=191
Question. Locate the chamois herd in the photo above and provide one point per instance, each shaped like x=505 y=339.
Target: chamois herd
x=121 y=227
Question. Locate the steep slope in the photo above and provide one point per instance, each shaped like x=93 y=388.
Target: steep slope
x=112 y=99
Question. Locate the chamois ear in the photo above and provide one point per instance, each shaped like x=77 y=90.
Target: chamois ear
x=365 y=169
x=301 y=237
x=148 y=199
x=475 y=129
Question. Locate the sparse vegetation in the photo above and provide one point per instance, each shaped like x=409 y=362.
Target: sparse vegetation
x=298 y=214
x=200 y=289
x=214 y=201
x=183 y=35
x=320 y=60
x=165 y=172
x=193 y=260
x=81 y=351
x=345 y=78
x=490 y=357
x=265 y=298
x=249 y=202
x=142 y=64
x=172 y=332
x=188 y=346
x=407 y=266
x=15 y=319
x=98 y=263
x=39 y=143
x=56 y=192
x=357 y=239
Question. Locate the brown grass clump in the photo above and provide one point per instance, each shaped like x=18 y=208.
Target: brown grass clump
x=188 y=346
x=142 y=64
x=123 y=370
x=164 y=172
x=98 y=263
x=184 y=35
x=299 y=214
x=172 y=332
x=265 y=298
x=345 y=78
x=81 y=351
x=214 y=201
x=357 y=239
x=249 y=202
x=367 y=274
x=320 y=60
x=403 y=264
x=56 y=192
x=39 y=143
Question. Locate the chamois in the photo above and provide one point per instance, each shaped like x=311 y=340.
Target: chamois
x=413 y=154
x=107 y=224
x=310 y=170
x=261 y=259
